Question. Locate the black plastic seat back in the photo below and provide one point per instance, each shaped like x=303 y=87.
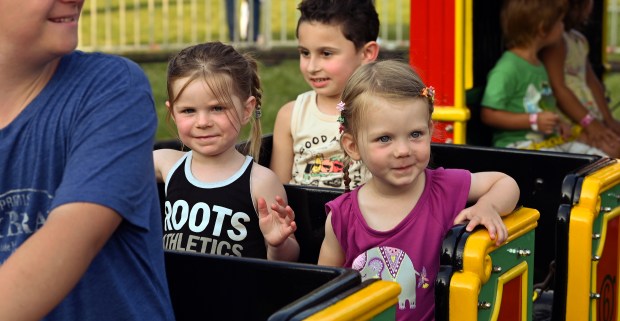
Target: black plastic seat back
x=211 y=287
x=309 y=206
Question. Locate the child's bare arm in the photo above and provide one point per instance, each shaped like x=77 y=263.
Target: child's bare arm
x=546 y=120
x=553 y=57
x=50 y=263
x=331 y=252
x=163 y=160
x=598 y=91
x=282 y=150
x=276 y=218
x=496 y=194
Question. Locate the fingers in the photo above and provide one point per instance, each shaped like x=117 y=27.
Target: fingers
x=460 y=218
x=283 y=211
x=261 y=204
x=494 y=225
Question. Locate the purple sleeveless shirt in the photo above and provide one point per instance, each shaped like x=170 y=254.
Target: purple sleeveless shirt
x=409 y=253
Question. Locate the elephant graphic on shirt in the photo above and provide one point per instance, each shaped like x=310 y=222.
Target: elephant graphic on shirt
x=391 y=264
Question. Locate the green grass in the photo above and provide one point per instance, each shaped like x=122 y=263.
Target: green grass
x=189 y=21
x=281 y=83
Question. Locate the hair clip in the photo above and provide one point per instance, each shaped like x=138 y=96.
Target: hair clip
x=257 y=113
x=340 y=106
x=429 y=92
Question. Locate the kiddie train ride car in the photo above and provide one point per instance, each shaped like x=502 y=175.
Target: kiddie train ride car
x=568 y=215
x=454 y=44
x=477 y=280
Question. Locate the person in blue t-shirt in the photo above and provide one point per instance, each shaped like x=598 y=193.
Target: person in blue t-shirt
x=80 y=231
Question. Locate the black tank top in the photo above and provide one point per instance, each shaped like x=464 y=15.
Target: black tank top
x=213 y=218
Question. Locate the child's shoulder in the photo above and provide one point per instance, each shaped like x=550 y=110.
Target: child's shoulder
x=301 y=98
x=264 y=176
x=166 y=155
x=165 y=159
x=509 y=64
x=447 y=175
x=169 y=151
x=576 y=35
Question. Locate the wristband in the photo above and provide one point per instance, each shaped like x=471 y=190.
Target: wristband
x=534 y=121
x=586 y=120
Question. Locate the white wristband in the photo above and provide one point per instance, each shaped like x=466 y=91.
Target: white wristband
x=534 y=121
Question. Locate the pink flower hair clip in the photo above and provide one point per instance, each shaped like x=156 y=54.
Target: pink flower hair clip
x=429 y=92
x=340 y=107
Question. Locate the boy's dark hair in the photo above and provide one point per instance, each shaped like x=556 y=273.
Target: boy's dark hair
x=357 y=19
x=521 y=19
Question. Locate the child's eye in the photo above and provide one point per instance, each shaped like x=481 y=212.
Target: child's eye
x=218 y=108
x=187 y=111
x=327 y=53
x=416 y=134
x=384 y=139
x=304 y=53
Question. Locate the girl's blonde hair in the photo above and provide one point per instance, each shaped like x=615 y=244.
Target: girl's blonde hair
x=227 y=73
x=388 y=79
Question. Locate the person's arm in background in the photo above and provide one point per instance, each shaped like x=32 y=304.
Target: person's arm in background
x=553 y=58
x=598 y=91
x=52 y=261
x=546 y=120
x=282 y=151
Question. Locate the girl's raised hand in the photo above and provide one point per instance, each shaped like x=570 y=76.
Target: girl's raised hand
x=278 y=223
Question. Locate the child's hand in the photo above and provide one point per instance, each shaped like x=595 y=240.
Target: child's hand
x=614 y=125
x=601 y=137
x=278 y=224
x=481 y=214
x=565 y=130
x=547 y=122
x=596 y=133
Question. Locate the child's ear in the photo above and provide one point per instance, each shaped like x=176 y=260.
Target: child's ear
x=370 y=51
x=169 y=109
x=350 y=146
x=248 y=109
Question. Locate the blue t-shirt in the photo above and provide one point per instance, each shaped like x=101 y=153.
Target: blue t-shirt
x=88 y=137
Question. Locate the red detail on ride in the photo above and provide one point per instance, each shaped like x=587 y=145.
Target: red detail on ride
x=607 y=275
x=432 y=45
x=440 y=132
x=512 y=300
